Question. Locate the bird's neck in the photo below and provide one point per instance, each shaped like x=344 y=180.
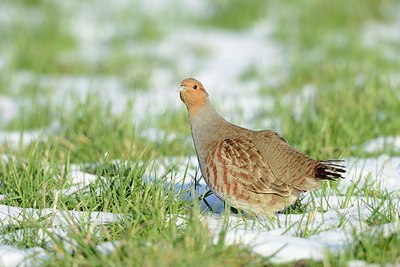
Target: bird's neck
x=207 y=125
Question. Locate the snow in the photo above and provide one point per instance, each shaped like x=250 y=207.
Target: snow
x=359 y=263
x=331 y=230
x=16 y=138
x=68 y=90
x=12 y=256
x=221 y=68
x=288 y=237
x=382 y=35
x=376 y=33
x=59 y=223
x=107 y=247
x=8 y=108
x=79 y=181
x=381 y=143
x=10 y=215
x=384 y=170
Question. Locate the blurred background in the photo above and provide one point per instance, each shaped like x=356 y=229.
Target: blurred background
x=94 y=77
x=91 y=121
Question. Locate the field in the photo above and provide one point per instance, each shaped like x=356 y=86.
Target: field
x=97 y=165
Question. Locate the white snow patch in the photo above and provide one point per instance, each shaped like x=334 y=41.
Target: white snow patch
x=387 y=229
x=385 y=36
x=16 y=138
x=184 y=179
x=159 y=135
x=284 y=246
x=375 y=32
x=80 y=180
x=10 y=215
x=335 y=240
x=8 y=108
x=360 y=263
x=383 y=170
x=381 y=143
x=67 y=90
x=11 y=256
x=107 y=247
x=9 y=12
x=41 y=235
x=95 y=23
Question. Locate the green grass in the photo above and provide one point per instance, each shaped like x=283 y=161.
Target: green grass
x=155 y=220
x=77 y=129
x=236 y=14
x=339 y=126
x=371 y=248
x=27 y=181
x=37 y=115
x=325 y=50
x=39 y=46
x=353 y=102
x=191 y=246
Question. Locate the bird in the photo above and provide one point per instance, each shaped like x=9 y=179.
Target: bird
x=257 y=172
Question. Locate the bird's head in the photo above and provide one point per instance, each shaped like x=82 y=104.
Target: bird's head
x=193 y=94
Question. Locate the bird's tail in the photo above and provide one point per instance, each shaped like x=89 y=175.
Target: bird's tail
x=330 y=169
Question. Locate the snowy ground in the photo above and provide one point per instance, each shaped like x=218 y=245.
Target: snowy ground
x=310 y=234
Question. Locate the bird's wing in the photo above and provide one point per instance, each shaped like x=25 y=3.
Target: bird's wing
x=239 y=159
x=293 y=167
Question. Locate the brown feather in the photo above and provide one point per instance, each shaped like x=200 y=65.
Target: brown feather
x=257 y=171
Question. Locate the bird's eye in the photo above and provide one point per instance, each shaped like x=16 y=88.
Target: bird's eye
x=195 y=87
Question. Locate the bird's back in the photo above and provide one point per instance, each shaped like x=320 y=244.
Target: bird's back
x=292 y=167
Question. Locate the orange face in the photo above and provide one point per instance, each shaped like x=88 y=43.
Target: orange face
x=193 y=94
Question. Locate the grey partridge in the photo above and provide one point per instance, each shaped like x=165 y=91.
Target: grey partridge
x=255 y=171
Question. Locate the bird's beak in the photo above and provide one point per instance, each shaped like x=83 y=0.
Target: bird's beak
x=181 y=89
